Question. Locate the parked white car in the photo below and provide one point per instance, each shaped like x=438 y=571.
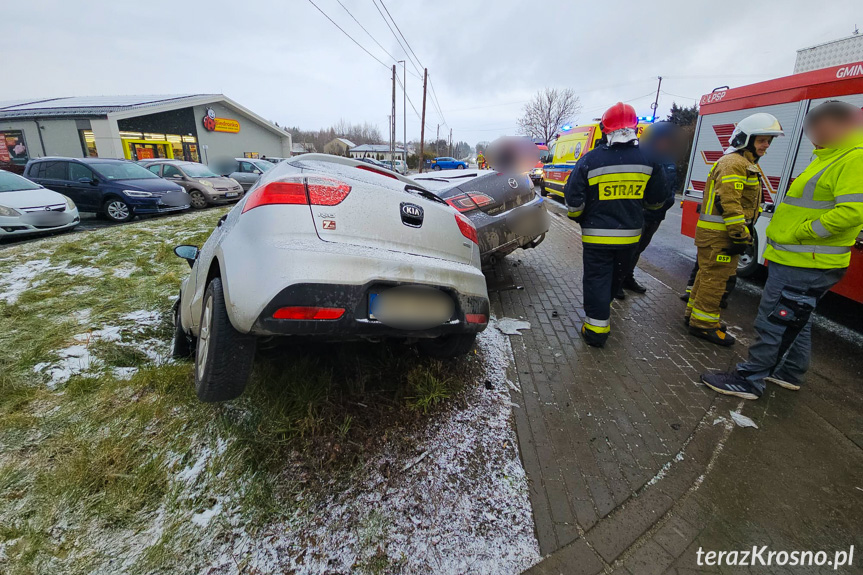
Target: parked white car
x=28 y=208
x=333 y=248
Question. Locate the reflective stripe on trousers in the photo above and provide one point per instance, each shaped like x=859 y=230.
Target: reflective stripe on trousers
x=610 y=237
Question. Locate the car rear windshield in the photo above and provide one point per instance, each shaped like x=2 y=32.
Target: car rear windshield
x=122 y=171
x=10 y=182
x=198 y=171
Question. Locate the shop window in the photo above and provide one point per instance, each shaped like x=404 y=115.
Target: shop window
x=88 y=143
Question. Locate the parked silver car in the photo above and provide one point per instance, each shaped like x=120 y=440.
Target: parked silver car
x=247 y=171
x=28 y=208
x=332 y=248
x=203 y=185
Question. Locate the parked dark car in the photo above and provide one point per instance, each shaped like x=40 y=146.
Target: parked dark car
x=203 y=184
x=505 y=208
x=116 y=189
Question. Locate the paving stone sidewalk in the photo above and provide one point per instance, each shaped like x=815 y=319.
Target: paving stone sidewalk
x=616 y=441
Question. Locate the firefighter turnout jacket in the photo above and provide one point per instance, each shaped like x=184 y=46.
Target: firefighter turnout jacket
x=821 y=215
x=732 y=199
x=608 y=190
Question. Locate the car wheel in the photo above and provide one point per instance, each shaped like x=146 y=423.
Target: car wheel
x=198 y=199
x=224 y=356
x=448 y=345
x=461 y=166
x=542 y=191
x=117 y=210
x=747 y=264
x=182 y=347
x=436 y=168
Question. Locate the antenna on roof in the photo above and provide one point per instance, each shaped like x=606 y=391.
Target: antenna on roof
x=856 y=30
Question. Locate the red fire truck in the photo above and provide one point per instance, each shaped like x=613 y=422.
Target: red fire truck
x=789 y=99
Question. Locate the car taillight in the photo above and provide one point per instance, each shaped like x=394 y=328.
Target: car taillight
x=467 y=228
x=476 y=318
x=327 y=191
x=469 y=201
x=309 y=312
x=321 y=191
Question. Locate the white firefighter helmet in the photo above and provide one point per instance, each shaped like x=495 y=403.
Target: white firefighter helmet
x=760 y=124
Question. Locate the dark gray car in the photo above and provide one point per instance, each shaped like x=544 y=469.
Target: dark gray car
x=505 y=208
x=203 y=185
x=247 y=170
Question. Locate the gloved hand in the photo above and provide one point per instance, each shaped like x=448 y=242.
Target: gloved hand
x=737 y=248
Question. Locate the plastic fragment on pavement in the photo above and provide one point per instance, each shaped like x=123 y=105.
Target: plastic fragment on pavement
x=742 y=420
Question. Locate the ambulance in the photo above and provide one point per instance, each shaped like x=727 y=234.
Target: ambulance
x=789 y=99
x=566 y=149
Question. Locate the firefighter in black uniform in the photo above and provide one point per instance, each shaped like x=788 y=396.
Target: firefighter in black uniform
x=607 y=193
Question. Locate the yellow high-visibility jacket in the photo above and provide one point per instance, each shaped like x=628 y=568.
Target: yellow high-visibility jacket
x=821 y=215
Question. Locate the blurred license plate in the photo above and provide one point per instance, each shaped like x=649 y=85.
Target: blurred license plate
x=409 y=307
x=232 y=194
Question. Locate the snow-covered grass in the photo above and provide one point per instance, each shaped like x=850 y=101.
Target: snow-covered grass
x=339 y=458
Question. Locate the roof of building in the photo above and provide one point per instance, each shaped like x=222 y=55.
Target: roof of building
x=379 y=148
x=120 y=107
x=345 y=141
x=88 y=105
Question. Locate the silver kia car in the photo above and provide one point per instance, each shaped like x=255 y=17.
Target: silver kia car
x=330 y=248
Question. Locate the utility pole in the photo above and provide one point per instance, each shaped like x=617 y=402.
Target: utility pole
x=393 y=124
x=450 y=141
x=655 y=104
x=436 y=139
x=405 y=113
x=423 y=127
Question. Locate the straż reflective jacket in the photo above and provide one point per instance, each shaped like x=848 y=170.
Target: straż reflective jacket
x=732 y=198
x=608 y=191
x=821 y=215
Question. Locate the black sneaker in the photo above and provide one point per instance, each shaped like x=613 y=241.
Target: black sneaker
x=713 y=335
x=782 y=383
x=620 y=294
x=730 y=384
x=632 y=285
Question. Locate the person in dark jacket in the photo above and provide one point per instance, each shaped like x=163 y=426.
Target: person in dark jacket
x=661 y=141
x=607 y=193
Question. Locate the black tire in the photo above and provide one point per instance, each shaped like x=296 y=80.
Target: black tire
x=436 y=168
x=461 y=166
x=447 y=346
x=117 y=210
x=542 y=191
x=747 y=264
x=224 y=356
x=199 y=200
x=182 y=347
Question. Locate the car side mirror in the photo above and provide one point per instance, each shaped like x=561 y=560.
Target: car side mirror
x=188 y=253
x=257 y=172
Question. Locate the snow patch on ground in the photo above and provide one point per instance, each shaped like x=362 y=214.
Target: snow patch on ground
x=459 y=504
x=77 y=359
x=510 y=326
x=21 y=278
x=124 y=272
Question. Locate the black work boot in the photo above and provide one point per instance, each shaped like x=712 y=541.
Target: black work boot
x=722 y=325
x=713 y=335
x=620 y=294
x=592 y=338
x=632 y=285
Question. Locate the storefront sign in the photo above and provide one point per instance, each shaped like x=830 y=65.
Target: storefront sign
x=214 y=124
x=12 y=147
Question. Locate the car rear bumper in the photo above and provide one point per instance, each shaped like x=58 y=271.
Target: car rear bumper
x=356 y=323
x=519 y=227
x=342 y=274
x=170 y=202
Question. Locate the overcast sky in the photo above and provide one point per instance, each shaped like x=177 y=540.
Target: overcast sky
x=285 y=61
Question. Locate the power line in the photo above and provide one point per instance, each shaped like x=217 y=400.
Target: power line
x=348 y=35
x=411 y=103
x=679 y=96
x=400 y=33
x=436 y=102
x=395 y=36
x=370 y=34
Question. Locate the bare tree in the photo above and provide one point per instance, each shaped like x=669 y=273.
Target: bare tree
x=549 y=110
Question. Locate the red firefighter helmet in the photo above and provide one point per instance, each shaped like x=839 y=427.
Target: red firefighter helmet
x=618 y=117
